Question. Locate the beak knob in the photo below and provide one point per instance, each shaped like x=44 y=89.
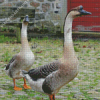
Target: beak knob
x=26 y=18
x=81 y=7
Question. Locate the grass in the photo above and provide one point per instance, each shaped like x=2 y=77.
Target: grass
x=76 y=49
x=6 y=57
x=4 y=39
x=81 y=88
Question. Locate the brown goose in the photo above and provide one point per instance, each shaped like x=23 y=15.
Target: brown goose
x=23 y=60
x=51 y=77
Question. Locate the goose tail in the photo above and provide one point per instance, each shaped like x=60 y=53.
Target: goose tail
x=5 y=67
x=24 y=72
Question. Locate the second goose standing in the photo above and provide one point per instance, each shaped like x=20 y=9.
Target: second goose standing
x=51 y=77
x=23 y=60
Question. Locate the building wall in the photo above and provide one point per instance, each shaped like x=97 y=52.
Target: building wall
x=87 y=23
x=49 y=14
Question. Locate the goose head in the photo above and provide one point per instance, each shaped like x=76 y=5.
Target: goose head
x=26 y=20
x=78 y=11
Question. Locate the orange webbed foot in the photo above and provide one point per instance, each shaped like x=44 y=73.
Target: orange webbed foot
x=17 y=89
x=26 y=87
x=52 y=97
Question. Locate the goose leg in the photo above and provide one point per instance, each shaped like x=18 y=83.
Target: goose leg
x=25 y=85
x=52 y=97
x=15 y=87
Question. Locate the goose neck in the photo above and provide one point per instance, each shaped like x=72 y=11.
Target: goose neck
x=24 y=41
x=24 y=31
x=68 y=30
x=68 y=42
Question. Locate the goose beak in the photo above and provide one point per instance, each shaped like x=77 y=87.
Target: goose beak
x=26 y=19
x=83 y=12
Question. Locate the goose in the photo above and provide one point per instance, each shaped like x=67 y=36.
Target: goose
x=23 y=60
x=51 y=77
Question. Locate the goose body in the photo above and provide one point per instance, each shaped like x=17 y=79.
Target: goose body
x=51 y=77
x=23 y=60
x=19 y=62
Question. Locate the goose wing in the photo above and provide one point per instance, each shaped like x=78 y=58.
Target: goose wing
x=12 y=60
x=43 y=71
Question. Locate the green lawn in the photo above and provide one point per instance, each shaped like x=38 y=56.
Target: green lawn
x=86 y=86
